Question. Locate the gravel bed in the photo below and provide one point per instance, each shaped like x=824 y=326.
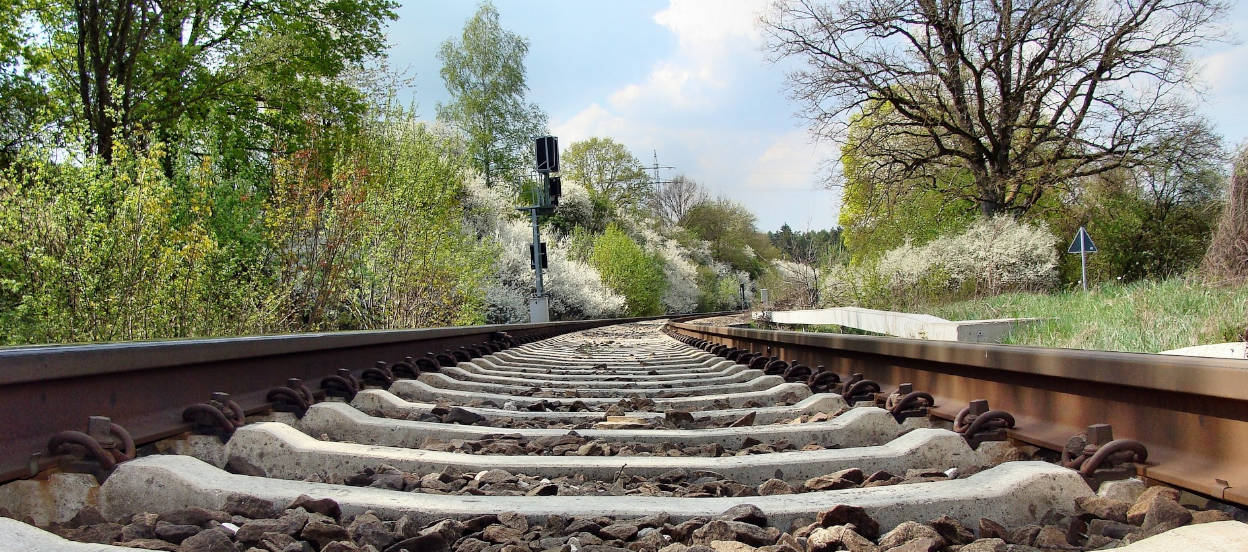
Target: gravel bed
x=573 y=444
x=674 y=483
x=445 y=412
x=254 y=525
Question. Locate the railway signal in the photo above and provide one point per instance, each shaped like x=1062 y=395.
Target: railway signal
x=545 y=199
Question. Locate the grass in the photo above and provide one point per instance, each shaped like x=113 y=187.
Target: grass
x=1148 y=316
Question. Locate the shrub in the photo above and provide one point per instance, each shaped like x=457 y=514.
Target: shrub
x=627 y=269
x=1227 y=259
x=96 y=252
x=573 y=286
x=990 y=257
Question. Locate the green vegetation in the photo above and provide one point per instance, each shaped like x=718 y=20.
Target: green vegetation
x=172 y=169
x=628 y=270
x=1147 y=316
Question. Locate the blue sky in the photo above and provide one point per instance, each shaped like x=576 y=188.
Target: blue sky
x=689 y=78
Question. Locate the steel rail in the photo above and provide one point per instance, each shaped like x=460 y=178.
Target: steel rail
x=1191 y=412
x=144 y=386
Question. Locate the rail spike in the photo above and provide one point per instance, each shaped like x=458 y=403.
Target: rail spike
x=342 y=385
x=379 y=375
x=97 y=451
x=1096 y=452
x=908 y=403
x=220 y=416
x=977 y=423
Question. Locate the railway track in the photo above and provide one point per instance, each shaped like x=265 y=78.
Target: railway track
x=585 y=437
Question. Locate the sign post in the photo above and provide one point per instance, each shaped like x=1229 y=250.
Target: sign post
x=1082 y=245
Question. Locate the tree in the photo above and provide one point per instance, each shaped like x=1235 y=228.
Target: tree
x=729 y=227
x=21 y=97
x=672 y=200
x=147 y=70
x=1024 y=96
x=883 y=206
x=485 y=75
x=606 y=168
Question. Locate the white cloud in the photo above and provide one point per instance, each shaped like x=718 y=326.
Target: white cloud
x=714 y=37
x=714 y=108
x=707 y=24
x=791 y=162
x=1223 y=71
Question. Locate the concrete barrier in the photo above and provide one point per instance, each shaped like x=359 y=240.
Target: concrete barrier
x=900 y=324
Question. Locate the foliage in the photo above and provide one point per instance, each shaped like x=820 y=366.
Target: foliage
x=575 y=288
x=1146 y=316
x=365 y=234
x=729 y=228
x=1024 y=97
x=628 y=270
x=809 y=246
x=485 y=75
x=1153 y=221
x=721 y=287
x=96 y=253
x=883 y=207
x=143 y=71
x=990 y=257
x=576 y=210
x=612 y=175
x=1227 y=258
x=681 y=294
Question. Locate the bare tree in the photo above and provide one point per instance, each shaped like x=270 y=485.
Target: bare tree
x=673 y=199
x=1024 y=95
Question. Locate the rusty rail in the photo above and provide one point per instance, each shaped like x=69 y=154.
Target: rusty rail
x=145 y=386
x=1192 y=413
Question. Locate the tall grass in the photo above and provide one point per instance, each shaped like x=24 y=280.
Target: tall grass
x=1146 y=316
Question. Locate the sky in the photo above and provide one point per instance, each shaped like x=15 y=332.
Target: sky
x=690 y=80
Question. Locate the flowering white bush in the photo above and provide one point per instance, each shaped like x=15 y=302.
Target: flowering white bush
x=992 y=256
x=680 y=267
x=575 y=205
x=575 y=288
x=682 y=291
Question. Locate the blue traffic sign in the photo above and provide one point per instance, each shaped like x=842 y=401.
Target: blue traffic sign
x=1082 y=243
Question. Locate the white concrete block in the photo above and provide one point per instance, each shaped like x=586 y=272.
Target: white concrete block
x=1015 y=493
x=855 y=428
x=16 y=536
x=421 y=391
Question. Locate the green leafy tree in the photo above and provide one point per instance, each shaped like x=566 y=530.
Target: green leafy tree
x=21 y=97
x=484 y=73
x=97 y=252
x=729 y=227
x=627 y=269
x=148 y=71
x=883 y=205
x=614 y=177
x=368 y=233
x=1152 y=222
